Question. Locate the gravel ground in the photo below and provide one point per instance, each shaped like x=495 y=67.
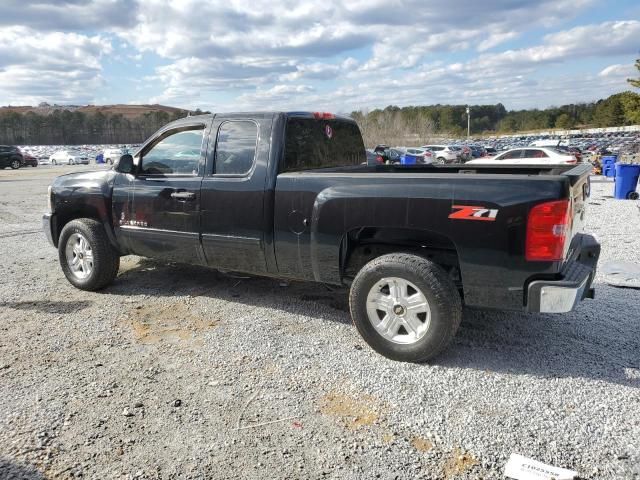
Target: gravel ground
x=182 y=372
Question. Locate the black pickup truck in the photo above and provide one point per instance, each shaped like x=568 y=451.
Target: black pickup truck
x=290 y=195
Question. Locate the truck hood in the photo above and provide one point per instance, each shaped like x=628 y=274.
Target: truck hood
x=85 y=179
x=83 y=188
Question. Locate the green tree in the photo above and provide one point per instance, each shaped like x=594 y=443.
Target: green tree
x=563 y=121
x=635 y=82
x=631 y=107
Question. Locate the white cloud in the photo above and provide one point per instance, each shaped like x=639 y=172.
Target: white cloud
x=50 y=66
x=343 y=55
x=618 y=70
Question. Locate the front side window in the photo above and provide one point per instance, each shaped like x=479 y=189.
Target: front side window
x=176 y=154
x=236 y=148
x=509 y=155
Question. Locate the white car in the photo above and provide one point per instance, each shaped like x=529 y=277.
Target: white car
x=112 y=155
x=69 y=157
x=444 y=153
x=528 y=156
x=424 y=154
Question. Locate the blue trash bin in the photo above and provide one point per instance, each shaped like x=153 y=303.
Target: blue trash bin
x=626 y=181
x=408 y=159
x=609 y=170
x=609 y=159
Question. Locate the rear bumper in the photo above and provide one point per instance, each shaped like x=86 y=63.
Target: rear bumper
x=561 y=296
x=49 y=227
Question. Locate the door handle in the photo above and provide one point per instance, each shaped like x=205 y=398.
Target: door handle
x=183 y=195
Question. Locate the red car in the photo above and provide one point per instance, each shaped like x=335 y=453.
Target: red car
x=29 y=160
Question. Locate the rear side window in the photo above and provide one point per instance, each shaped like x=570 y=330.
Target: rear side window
x=312 y=143
x=535 y=154
x=236 y=148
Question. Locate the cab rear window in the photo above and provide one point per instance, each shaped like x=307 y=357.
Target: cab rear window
x=322 y=143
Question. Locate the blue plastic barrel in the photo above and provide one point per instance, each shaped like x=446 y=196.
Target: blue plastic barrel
x=408 y=159
x=609 y=159
x=626 y=181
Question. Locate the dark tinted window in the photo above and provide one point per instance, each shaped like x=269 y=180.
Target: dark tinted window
x=312 y=143
x=178 y=153
x=236 y=148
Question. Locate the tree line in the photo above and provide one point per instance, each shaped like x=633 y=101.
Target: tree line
x=65 y=127
x=617 y=110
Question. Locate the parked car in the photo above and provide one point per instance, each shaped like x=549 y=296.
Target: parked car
x=69 y=157
x=422 y=155
x=529 y=156
x=444 y=153
x=286 y=195
x=112 y=155
x=10 y=157
x=391 y=155
x=374 y=158
x=491 y=151
x=380 y=148
x=29 y=160
x=477 y=151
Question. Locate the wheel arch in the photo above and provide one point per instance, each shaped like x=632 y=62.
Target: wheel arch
x=79 y=212
x=361 y=245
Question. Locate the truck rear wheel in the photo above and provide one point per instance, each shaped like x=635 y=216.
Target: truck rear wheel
x=405 y=307
x=87 y=258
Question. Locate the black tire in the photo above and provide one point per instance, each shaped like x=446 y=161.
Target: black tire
x=441 y=160
x=109 y=161
x=633 y=196
x=71 y=162
x=53 y=162
x=441 y=294
x=15 y=163
x=106 y=260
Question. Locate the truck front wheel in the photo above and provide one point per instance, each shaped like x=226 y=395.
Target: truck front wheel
x=87 y=258
x=405 y=307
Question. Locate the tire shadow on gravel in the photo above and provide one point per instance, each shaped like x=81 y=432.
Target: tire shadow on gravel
x=46 y=306
x=594 y=342
x=10 y=470
x=155 y=278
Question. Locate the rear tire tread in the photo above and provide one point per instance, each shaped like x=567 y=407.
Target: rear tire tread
x=446 y=303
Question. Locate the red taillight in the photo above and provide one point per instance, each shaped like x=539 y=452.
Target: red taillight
x=379 y=159
x=547 y=229
x=323 y=115
x=427 y=154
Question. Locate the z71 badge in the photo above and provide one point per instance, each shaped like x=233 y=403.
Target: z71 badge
x=473 y=212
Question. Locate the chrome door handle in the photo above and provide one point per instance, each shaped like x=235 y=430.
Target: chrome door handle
x=183 y=195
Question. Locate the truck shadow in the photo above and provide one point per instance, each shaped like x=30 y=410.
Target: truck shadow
x=599 y=340
x=10 y=470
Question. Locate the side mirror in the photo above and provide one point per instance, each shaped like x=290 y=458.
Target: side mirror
x=125 y=164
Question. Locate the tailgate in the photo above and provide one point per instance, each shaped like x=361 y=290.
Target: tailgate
x=579 y=189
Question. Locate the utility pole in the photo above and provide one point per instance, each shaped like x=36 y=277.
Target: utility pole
x=468 y=123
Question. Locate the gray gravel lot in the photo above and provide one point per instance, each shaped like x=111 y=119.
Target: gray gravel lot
x=176 y=372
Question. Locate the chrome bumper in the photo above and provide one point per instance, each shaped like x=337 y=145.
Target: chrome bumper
x=49 y=227
x=561 y=296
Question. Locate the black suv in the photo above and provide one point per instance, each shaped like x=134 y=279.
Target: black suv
x=10 y=157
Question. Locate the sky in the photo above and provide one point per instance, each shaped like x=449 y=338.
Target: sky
x=327 y=55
